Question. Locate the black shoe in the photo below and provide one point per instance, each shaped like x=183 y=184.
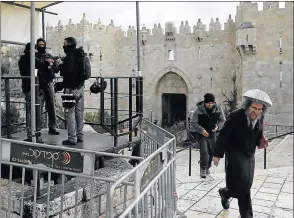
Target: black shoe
x=28 y=139
x=80 y=140
x=53 y=131
x=203 y=173
x=133 y=162
x=38 y=140
x=225 y=200
x=68 y=142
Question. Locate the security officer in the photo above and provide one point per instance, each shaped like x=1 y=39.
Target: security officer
x=46 y=72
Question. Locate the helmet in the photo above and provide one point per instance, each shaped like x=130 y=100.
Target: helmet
x=96 y=87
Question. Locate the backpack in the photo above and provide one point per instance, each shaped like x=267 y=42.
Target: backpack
x=85 y=67
x=84 y=64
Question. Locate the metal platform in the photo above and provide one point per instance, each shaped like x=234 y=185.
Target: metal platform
x=92 y=141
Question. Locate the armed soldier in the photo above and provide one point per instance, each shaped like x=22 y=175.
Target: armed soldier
x=24 y=68
x=75 y=69
x=47 y=68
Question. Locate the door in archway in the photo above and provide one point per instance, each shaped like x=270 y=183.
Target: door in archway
x=172 y=93
x=174 y=108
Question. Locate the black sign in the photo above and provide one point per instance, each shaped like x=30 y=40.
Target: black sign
x=153 y=169
x=53 y=158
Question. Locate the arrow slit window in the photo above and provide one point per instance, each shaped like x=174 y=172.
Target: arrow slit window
x=171 y=55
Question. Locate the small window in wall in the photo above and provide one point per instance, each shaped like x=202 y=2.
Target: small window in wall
x=171 y=56
x=280 y=44
x=100 y=55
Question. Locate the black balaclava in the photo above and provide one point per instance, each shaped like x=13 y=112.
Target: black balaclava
x=41 y=50
x=71 y=45
x=28 y=49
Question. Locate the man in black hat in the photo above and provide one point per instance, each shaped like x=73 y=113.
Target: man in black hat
x=46 y=72
x=206 y=120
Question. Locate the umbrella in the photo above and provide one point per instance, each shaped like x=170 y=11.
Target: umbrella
x=258 y=96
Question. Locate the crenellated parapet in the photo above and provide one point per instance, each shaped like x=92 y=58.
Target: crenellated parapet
x=84 y=26
x=249 y=11
x=184 y=28
x=157 y=30
x=248 y=17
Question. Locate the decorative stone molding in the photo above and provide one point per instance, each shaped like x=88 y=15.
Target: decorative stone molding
x=172 y=69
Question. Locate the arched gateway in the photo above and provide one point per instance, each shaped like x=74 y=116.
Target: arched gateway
x=172 y=93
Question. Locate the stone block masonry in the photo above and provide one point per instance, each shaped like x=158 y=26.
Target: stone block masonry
x=114 y=169
x=256 y=46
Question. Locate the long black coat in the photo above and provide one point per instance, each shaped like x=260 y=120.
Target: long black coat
x=239 y=143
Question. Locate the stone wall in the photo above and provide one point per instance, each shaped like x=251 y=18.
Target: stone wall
x=114 y=169
x=261 y=67
x=205 y=59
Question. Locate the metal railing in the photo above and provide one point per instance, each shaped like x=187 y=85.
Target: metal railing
x=110 y=123
x=147 y=190
x=154 y=179
x=26 y=158
x=270 y=139
x=277 y=129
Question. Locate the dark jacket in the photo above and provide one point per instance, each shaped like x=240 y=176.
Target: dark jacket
x=24 y=69
x=46 y=72
x=69 y=70
x=202 y=120
x=45 y=75
x=238 y=142
x=24 y=65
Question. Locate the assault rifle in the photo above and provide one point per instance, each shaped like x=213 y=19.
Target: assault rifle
x=55 y=58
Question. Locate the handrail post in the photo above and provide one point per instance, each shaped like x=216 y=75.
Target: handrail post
x=102 y=103
x=8 y=109
x=38 y=108
x=190 y=160
x=264 y=159
x=130 y=109
x=137 y=96
x=115 y=96
x=111 y=105
x=141 y=95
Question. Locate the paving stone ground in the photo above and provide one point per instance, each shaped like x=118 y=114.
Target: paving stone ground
x=272 y=190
